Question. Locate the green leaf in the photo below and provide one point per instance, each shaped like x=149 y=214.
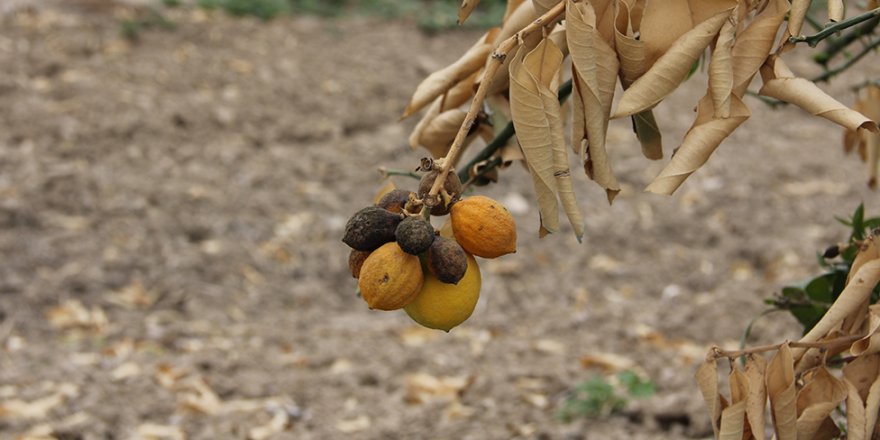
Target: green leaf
x=858 y=223
x=821 y=288
x=635 y=385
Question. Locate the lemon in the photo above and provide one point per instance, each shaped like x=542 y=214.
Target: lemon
x=443 y=306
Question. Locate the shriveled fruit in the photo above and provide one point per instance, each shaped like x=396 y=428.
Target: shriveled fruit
x=370 y=228
x=452 y=186
x=447 y=261
x=390 y=278
x=443 y=306
x=414 y=235
x=394 y=200
x=356 y=260
x=483 y=227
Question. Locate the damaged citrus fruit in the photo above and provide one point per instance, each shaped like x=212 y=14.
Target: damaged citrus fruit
x=390 y=278
x=443 y=306
x=483 y=227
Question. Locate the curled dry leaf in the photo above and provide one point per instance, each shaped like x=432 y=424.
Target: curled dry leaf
x=870 y=344
x=438 y=135
x=733 y=426
x=756 y=401
x=662 y=23
x=862 y=380
x=542 y=6
x=753 y=44
x=851 y=298
x=671 y=69
x=707 y=381
x=799 y=9
x=594 y=84
x=721 y=69
x=442 y=80
x=464 y=11
x=519 y=18
x=780 y=83
x=699 y=143
x=835 y=10
x=632 y=64
x=820 y=394
x=536 y=116
x=782 y=393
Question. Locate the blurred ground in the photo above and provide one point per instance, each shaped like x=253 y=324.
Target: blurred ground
x=170 y=263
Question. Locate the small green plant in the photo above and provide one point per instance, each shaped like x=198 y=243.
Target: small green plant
x=172 y=3
x=808 y=301
x=262 y=9
x=600 y=396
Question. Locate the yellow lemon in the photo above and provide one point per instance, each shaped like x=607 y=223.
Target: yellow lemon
x=443 y=306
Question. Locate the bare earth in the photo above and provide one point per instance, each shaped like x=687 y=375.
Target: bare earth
x=170 y=255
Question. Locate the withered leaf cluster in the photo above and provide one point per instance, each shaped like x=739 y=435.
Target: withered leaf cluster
x=803 y=392
x=649 y=47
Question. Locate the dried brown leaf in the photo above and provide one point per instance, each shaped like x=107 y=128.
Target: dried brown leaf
x=821 y=393
x=699 y=143
x=782 y=393
x=780 y=83
x=799 y=9
x=432 y=112
x=442 y=80
x=707 y=381
x=438 y=135
x=861 y=377
x=594 y=83
x=733 y=424
x=662 y=24
x=519 y=18
x=536 y=117
x=756 y=401
x=542 y=6
x=870 y=344
x=671 y=69
x=464 y=11
x=835 y=10
x=753 y=44
x=721 y=69
x=853 y=296
x=703 y=9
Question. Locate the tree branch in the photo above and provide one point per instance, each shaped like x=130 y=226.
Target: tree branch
x=497 y=57
x=836 y=45
x=831 y=29
x=717 y=352
x=834 y=72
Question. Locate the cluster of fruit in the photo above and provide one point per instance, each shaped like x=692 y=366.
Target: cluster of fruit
x=401 y=261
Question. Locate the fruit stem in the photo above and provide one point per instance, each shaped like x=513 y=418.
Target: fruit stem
x=549 y=18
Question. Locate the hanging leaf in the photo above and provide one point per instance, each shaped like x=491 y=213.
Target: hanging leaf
x=780 y=83
x=542 y=6
x=756 y=401
x=782 y=393
x=533 y=133
x=464 y=11
x=521 y=17
x=594 y=76
x=721 y=69
x=835 y=10
x=733 y=417
x=821 y=393
x=870 y=344
x=442 y=80
x=799 y=9
x=707 y=381
x=631 y=54
x=438 y=135
x=699 y=143
x=663 y=22
x=432 y=112
x=752 y=45
x=536 y=117
x=701 y=10
x=862 y=379
x=671 y=68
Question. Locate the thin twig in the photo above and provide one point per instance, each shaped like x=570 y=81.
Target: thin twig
x=717 y=352
x=834 y=46
x=498 y=57
x=386 y=172
x=503 y=136
x=831 y=29
x=836 y=71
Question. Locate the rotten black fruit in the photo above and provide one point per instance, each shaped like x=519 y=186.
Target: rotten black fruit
x=447 y=260
x=370 y=228
x=414 y=235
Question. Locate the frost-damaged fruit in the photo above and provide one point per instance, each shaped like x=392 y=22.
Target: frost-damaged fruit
x=390 y=278
x=483 y=227
x=447 y=261
x=443 y=306
x=395 y=200
x=414 y=235
x=356 y=260
x=452 y=186
x=370 y=228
